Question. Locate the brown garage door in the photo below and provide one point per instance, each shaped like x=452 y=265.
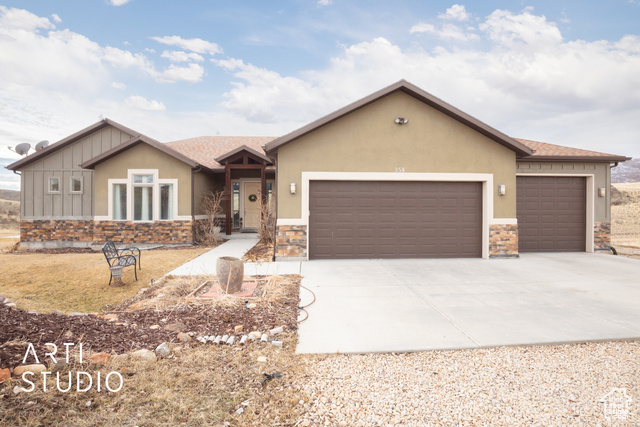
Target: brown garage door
x=365 y=219
x=551 y=213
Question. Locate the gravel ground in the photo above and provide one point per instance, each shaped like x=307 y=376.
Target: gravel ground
x=542 y=385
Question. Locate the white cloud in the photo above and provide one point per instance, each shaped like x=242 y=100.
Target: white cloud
x=507 y=28
x=456 y=12
x=141 y=103
x=56 y=18
x=118 y=2
x=118 y=85
x=192 y=73
x=19 y=19
x=423 y=28
x=180 y=56
x=325 y=2
x=528 y=82
x=194 y=45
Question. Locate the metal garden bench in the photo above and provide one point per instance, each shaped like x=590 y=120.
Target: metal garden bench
x=125 y=257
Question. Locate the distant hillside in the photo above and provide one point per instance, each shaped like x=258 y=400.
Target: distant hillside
x=628 y=171
x=12 y=195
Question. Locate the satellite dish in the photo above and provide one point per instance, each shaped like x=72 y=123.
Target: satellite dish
x=23 y=148
x=41 y=145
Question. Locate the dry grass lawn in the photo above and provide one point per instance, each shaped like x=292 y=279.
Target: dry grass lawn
x=79 y=281
x=625 y=226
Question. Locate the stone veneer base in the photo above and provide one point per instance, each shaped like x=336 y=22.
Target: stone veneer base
x=291 y=242
x=601 y=236
x=503 y=241
x=49 y=234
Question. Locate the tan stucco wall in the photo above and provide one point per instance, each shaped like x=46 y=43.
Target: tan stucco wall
x=601 y=175
x=203 y=184
x=142 y=156
x=368 y=140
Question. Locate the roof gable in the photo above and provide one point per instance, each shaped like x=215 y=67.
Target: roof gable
x=237 y=153
x=543 y=151
x=519 y=148
x=69 y=140
x=90 y=164
x=207 y=149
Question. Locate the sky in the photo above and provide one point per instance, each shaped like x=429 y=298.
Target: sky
x=560 y=71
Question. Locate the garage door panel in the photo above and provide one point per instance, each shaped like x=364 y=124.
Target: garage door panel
x=551 y=214
x=400 y=219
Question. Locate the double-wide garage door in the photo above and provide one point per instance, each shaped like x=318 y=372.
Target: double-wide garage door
x=391 y=219
x=551 y=213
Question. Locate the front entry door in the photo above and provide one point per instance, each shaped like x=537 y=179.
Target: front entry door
x=251 y=204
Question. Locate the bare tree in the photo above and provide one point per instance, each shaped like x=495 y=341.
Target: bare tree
x=208 y=230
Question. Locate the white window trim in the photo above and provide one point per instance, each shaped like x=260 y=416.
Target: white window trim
x=484 y=178
x=71 y=185
x=49 y=191
x=591 y=195
x=155 y=215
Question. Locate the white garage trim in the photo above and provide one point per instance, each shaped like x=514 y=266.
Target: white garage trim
x=590 y=178
x=485 y=178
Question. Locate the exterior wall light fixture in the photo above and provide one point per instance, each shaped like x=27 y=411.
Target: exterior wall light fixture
x=401 y=121
x=292 y=188
x=602 y=192
x=502 y=189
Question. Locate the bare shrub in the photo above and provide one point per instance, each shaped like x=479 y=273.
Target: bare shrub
x=208 y=230
x=266 y=230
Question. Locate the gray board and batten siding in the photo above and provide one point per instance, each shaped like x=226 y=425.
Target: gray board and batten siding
x=37 y=202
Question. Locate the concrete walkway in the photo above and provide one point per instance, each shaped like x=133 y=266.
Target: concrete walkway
x=206 y=263
x=409 y=305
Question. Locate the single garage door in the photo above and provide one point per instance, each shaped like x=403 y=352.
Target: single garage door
x=551 y=213
x=373 y=219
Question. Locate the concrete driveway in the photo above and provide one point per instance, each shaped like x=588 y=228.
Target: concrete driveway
x=409 y=305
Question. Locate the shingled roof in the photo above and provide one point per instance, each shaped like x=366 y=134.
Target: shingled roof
x=205 y=149
x=551 y=152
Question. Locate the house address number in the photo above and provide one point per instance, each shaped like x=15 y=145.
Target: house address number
x=400 y=170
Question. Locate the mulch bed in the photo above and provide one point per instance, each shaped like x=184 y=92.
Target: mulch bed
x=259 y=253
x=19 y=328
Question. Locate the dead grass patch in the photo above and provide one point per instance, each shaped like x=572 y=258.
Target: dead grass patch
x=200 y=385
x=79 y=282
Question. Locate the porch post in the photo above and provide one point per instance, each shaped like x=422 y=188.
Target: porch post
x=227 y=178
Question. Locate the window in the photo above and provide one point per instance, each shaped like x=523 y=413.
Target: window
x=166 y=201
x=143 y=197
x=236 y=205
x=119 y=202
x=75 y=184
x=54 y=185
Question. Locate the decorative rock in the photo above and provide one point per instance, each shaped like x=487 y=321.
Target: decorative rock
x=277 y=330
x=110 y=317
x=243 y=340
x=240 y=411
x=120 y=357
x=224 y=339
x=163 y=350
x=231 y=340
x=154 y=327
x=12 y=305
x=17 y=390
x=252 y=305
x=277 y=343
x=37 y=369
x=238 y=329
x=262 y=359
x=146 y=355
x=255 y=335
x=5 y=374
x=184 y=337
x=78 y=314
x=176 y=327
x=217 y=340
x=264 y=338
x=100 y=358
